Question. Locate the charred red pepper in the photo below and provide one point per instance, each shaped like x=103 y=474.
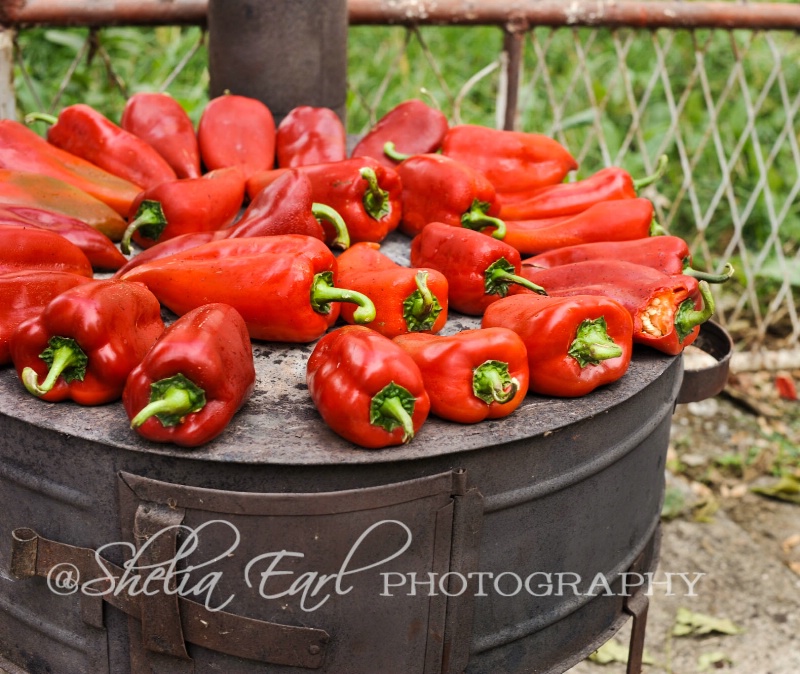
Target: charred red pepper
x=309 y=135
x=574 y=344
x=472 y=375
x=22 y=150
x=406 y=299
x=190 y=384
x=237 y=131
x=183 y=206
x=283 y=286
x=26 y=247
x=412 y=127
x=160 y=120
x=479 y=269
x=667 y=310
x=85 y=342
x=366 y=388
x=24 y=294
x=84 y=132
x=513 y=161
x=437 y=188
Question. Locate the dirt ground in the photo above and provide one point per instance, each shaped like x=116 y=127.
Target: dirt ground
x=732 y=513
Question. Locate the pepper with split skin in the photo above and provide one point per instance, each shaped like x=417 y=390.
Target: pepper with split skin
x=192 y=382
x=472 y=375
x=366 y=388
x=283 y=286
x=309 y=135
x=406 y=299
x=25 y=247
x=479 y=269
x=667 y=310
x=574 y=344
x=85 y=342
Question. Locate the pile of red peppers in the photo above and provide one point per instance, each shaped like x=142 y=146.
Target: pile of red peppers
x=243 y=229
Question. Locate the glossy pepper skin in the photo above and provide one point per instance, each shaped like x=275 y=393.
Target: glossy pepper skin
x=193 y=380
x=513 y=161
x=606 y=221
x=438 y=188
x=283 y=286
x=24 y=294
x=26 y=247
x=412 y=127
x=479 y=269
x=23 y=150
x=310 y=135
x=366 y=388
x=85 y=342
x=472 y=375
x=574 y=344
x=184 y=206
x=83 y=131
x=406 y=299
x=161 y=121
x=237 y=131
x=667 y=310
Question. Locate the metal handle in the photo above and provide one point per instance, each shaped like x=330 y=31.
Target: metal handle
x=706 y=382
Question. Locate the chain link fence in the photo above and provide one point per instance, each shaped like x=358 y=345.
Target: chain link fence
x=714 y=86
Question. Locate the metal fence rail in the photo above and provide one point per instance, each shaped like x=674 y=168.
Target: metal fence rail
x=714 y=85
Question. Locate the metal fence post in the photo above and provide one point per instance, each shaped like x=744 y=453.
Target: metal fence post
x=8 y=106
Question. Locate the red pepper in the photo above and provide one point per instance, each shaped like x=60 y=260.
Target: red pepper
x=101 y=253
x=366 y=194
x=574 y=344
x=86 y=341
x=406 y=299
x=513 y=161
x=309 y=135
x=283 y=286
x=606 y=221
x=412 y=127
x=668 y=254
x=667 y=310
x=185 y=205
x=437 y=188
x=472 y=375
x=84 y=132
x=160 y=120
x=25 y=247
x=190 y=384
x=366 y=388
x=608 y=184
x=24 y=294
x=25 y=151
x=237 y=131
x=479 y=269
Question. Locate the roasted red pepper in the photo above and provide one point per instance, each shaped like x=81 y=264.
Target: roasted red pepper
x=574 y=344
x=26 y=247
x=237 y=131
x=412 y=127
x=25 y=151
x=85 y=342
x=24 y=294
x=608 y=184
x=667 y=310
x=309 y=135
x=479 y=269
x=83 y=131
x=190 y=384
x=160 y=120
x=606 y=221
x=472 y=375
x=437 y=188
x=406 y=299
x=366 y=388
x=283 y=286
x=184 y=206
x=513 y=161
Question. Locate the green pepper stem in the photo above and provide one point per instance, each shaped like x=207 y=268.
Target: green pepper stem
x=171 y=399
x=491 y=382
x=709 y=277
x=65 y=355
x=176 y=401
x=593 y=344
x=376 y=199
x=424 y=305
x=661 y=167
x=656 y=229
x=323 y=292
x=392 y=407
x=150 y=214
x=476 y=218
x=390 y=151
x=687 y=318
x=32 y=117
x=498 y=277
x=331 y=215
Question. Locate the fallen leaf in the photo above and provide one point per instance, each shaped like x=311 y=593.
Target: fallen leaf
x=689 y=623
x=785 y=488
x=790 y=543
x=713 y=660
x=795 y=566
x=614 y=651
x=784 y=385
